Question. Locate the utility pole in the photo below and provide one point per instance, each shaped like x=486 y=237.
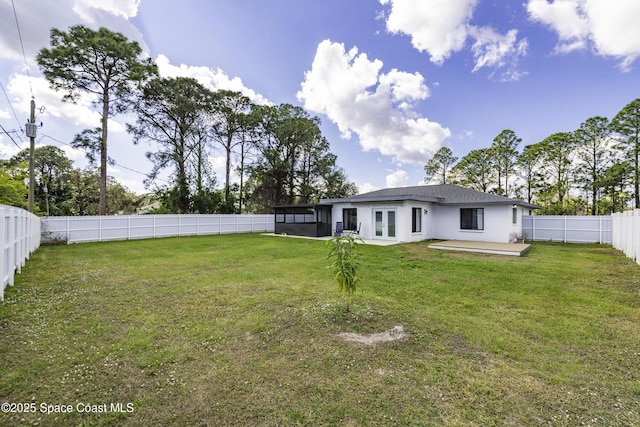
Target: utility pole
x=31 y=130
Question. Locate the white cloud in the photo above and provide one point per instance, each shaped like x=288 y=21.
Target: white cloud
x=367 y=187
x=74 y=154
x=212 y=79
x=81 y=114
x=609 y=27
x=87 y=9
x=438 y=27
x=37 y=19
x=442 y=27
x=134 y=185
x=498 y=51
x=564 y=17
x=8 y=149
x=398 y=178
x=349 y=89
x=219 y=167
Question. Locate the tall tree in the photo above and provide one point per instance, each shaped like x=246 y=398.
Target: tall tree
x=169 y=113
x=51 y=172
x=505 y=150
x=230 y=111
x=13 y=191
x=103 y=64
x=336 y=185
x=294 y=165
x=627 y=124
x=250 y=135
x=85 y=196
x=476 y=170
x=439 y=165
x=558 y=150
x=528 y=164
x=593 y=147
x=614 y=182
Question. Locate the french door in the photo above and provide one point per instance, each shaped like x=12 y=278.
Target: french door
x=385 y=223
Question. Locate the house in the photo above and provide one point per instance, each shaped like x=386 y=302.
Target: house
x=410 y=214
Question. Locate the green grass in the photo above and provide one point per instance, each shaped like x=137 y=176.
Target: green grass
x=243 y=330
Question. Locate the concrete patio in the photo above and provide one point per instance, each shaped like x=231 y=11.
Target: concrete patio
x=511 y=249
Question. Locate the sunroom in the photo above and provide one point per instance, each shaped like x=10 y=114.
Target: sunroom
x=303 y=220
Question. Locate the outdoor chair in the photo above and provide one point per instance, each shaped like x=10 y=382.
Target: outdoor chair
x=338 y=230
x=355 y=232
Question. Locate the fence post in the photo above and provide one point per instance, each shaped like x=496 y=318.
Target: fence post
x=11 y=254
x=533 y=228
x=635 y=232
x=4 y=261
x=601 y=239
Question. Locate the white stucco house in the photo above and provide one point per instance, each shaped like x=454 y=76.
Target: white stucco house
x=448 y=212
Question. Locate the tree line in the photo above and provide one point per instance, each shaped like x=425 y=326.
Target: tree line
x=278 y=152
x=593 y=169
x=60 y=189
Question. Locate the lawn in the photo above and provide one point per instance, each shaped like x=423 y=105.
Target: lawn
x=239 y=330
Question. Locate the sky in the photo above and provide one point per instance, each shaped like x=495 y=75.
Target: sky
x=391 y=80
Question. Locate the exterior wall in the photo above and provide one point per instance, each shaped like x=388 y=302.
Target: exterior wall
x=439 y=221
x=498 y=223
x=403 y=211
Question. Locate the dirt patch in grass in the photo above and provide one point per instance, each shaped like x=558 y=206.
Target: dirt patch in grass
x=394 y=334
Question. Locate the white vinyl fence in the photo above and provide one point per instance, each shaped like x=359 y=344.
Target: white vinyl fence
x=626 y=233
x=569 y=229
x=104 y=228
x=19 y=237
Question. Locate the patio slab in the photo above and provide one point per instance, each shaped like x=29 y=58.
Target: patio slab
x=511 y=249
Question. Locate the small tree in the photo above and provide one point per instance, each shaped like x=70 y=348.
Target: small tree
x=344 y=252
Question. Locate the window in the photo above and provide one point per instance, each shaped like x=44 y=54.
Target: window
x=416 y=220
x=515 y=215
x=472 y=219
x=295 y=215
x=350 y=219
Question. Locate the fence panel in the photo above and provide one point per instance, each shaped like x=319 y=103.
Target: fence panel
x=569 y=229
x=19 y=237
x=626 y=233
x=105 y=228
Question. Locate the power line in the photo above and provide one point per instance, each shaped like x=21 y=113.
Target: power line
x=9 y=135
x=11 y=106
x=115 y=164
x=22 y=46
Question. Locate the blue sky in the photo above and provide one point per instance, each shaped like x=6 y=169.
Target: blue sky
x=391 y=80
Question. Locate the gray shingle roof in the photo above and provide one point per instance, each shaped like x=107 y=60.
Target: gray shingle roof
x=445 y=194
